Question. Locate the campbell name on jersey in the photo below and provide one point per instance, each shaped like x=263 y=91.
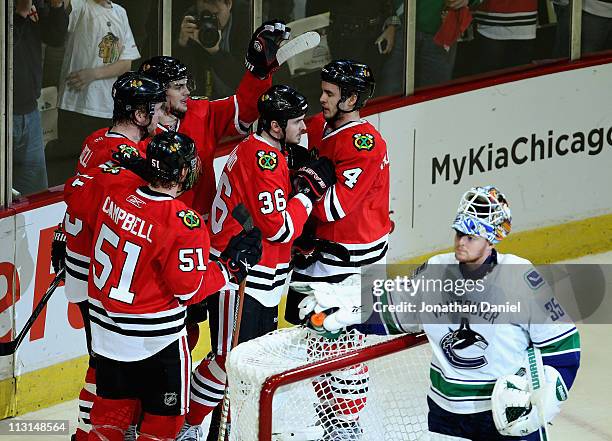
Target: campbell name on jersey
x=471 y=348
x=256 y=175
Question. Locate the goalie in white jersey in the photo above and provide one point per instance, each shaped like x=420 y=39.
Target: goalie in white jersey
x=478 y=384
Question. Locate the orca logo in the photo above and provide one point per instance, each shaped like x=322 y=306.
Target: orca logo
x=463 y=338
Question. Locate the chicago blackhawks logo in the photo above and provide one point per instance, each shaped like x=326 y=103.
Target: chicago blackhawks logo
x=267 y=160
x=128 y=151
x=190 y=219
x=112 y=169
x=363 y=141
x=464 y=339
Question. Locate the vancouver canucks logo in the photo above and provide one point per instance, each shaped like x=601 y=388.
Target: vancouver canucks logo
x=363 y=141
x=190 y=218
x=267 y=160
x=464 y=339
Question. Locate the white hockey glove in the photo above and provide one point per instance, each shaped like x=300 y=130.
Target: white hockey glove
x=341 y=301
x=515 y=411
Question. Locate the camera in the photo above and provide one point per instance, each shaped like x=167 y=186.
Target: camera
x=208 y=33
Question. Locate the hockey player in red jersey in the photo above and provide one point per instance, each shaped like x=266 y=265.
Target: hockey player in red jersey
x=257 y=175
x=149 y=260
x=138 y=103
x=208 y=122
x=353 y=215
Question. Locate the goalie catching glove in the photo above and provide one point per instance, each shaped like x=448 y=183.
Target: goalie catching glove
x=515 y=410
x=340 y=301
x=261 y=54
x=242 y=252
x=314 y=179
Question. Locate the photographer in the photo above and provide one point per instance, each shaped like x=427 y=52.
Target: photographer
x=212 y=45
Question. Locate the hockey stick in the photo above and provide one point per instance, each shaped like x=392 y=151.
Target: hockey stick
x=9 y=347
x=536 y=376
x=241 y=214
x=301 y=43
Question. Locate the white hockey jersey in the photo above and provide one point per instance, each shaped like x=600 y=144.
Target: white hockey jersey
x=471 y=348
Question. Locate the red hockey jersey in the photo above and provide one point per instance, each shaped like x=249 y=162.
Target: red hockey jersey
x=149 y=259
x=208 y=122
x=98 y=147
x=256 y=175
x=507 y=19
x=354 y=211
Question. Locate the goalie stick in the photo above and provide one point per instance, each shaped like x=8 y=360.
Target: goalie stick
x=242 y=215
x=301 y=43
x=9 y=347
x=536 y=376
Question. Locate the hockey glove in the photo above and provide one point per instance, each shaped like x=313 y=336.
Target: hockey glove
x=129 y=158
x=314 y=179
x=261 y=54
x=298 y=156
x=242 y=252
x=341 y=301
x=514 y=404
x=58 y=249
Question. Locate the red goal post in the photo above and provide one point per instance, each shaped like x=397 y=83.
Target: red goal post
x=256 y=368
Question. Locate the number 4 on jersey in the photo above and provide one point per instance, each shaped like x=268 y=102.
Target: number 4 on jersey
x=351 y=175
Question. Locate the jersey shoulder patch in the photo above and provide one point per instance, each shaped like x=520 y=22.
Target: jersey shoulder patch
x=111 y=169
x=363 y=141
x=534 y=279
x=190 y=218
x=267 y=160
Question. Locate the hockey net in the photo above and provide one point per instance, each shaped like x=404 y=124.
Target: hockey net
x=293 y=384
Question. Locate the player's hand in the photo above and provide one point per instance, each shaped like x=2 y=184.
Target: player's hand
x=242 y=252
x=189 y=29
x=58 y=249
x=315 y=178
x=299 y=156
x=129 y=157
x=264 y=44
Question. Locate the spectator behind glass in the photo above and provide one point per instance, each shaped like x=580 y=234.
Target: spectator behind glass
x=505 y=33
x=35 y=21
x=596 y=27
x=218 y=69
x=434 y=64
x=100 y=47
x=361 y=30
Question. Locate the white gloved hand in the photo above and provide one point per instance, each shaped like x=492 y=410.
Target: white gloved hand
x=344 y=296
x=515 y=406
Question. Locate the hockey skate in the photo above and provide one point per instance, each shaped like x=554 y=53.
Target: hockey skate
x=337 y=429
x=190 y=433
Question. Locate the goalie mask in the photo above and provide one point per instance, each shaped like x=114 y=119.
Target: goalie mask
x=484 y=212
x=352 y=78
x=168 y=154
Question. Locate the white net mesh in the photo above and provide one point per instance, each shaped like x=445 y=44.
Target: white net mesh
x=380 y=399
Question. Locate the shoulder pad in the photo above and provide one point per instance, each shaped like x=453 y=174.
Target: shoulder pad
x=363 y=141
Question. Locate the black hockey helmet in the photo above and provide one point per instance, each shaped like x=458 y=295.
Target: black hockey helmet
x=352 y=78
x=168 y=153
x=165 y=70
x=280 y=103
x=132 y=91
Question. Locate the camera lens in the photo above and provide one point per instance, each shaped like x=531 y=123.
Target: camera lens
x=209 y=30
